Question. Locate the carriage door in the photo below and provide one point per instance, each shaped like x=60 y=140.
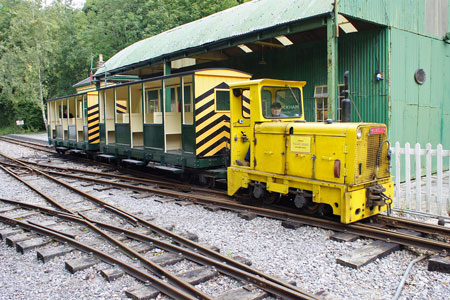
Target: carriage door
x=122 y=125
x=172 y=115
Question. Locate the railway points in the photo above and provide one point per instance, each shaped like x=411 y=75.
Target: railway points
x=151 y=196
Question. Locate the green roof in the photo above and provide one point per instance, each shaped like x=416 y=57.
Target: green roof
x=240 y=20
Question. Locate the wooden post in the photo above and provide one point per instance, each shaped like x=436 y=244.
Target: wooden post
x=408 y=174
x=428 y=187
x=397 y=175
x=332 y=59
x=439 y=162
x=418 y=179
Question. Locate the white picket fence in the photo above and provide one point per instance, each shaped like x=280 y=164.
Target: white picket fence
x=430 y=193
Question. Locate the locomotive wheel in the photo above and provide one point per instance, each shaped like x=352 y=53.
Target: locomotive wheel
x=311 y=208
x=270 y=198
x=208 y=182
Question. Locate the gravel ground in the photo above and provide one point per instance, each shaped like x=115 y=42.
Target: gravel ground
x=305 y=255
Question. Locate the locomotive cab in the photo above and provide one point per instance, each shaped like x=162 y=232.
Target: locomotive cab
x=341 y=168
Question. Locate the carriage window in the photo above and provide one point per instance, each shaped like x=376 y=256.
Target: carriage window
x=222 y=100
x=153 y=113
x=153 y=101
x=188 y=113
x=173 y=99
x=281 y=102
x=122 y=112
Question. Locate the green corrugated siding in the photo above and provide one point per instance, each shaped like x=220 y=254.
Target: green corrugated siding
x=360 y=53
x=363 y=55
x=408 y=15
x=405 y=14
x=420 y=112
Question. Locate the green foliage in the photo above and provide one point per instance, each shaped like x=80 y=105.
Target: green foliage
x=30 y=112
x=44 y=50
x=6 y=107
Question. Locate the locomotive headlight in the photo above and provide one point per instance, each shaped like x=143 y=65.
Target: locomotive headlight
x=359 y=133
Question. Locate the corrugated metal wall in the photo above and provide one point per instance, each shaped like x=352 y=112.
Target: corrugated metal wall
x=421 y=113
x=364 y=55
x=409 y=15
x=360 y=53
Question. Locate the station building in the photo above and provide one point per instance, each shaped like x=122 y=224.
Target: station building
x=397 y=53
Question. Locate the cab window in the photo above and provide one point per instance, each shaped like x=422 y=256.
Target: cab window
x=281 y=102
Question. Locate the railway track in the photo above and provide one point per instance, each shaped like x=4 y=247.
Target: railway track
x=363 y=229
x=132 y=174
x=172 y=285
x=380 y=227
x=31 y=145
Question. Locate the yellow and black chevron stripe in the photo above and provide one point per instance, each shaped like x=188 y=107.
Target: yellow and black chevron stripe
x=93 y=127
x=212 y=128
x=121 y=109
x=245 y=107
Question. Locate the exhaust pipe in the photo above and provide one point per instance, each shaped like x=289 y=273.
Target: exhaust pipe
x=346 y=105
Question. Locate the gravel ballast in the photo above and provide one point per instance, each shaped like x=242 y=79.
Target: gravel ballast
x=305 y=255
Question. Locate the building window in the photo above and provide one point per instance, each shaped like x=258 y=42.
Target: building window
x=321 y=99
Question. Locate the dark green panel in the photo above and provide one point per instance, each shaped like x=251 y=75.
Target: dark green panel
x=223 y=100
x=188 y=138
x=102 y=131
x=72 y=132
x=59 y=131
x=85 y=132
x=154 y=136
x=123 y=134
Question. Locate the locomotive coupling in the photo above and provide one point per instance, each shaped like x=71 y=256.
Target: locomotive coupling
x=374 y=195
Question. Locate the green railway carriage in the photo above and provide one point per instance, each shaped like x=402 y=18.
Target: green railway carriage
x=170 y=122
x=72 y=122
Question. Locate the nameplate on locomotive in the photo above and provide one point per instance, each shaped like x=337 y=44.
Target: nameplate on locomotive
x=301 y=144
x=377 y=130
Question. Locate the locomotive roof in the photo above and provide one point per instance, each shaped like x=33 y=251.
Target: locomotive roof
x=245 y=19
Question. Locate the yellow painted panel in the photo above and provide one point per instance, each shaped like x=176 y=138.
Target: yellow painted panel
x=328 y=150
x=224 y=73
x=217 y=149
x=270 y=153
x=93 y=136
x=204 y=101
x=300 y=144
x=212 y=141
x=210 y=120
x=298 y=163
x=211 y=132
x=205 y=112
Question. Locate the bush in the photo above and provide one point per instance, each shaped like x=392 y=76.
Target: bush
x=31 y=113
x=6 y=111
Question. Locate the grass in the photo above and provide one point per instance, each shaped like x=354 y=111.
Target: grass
x=16 y=129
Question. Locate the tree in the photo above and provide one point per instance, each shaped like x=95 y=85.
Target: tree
x=27 y=53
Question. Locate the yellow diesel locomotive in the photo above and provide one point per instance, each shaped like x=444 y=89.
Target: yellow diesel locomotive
x=340 y=168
